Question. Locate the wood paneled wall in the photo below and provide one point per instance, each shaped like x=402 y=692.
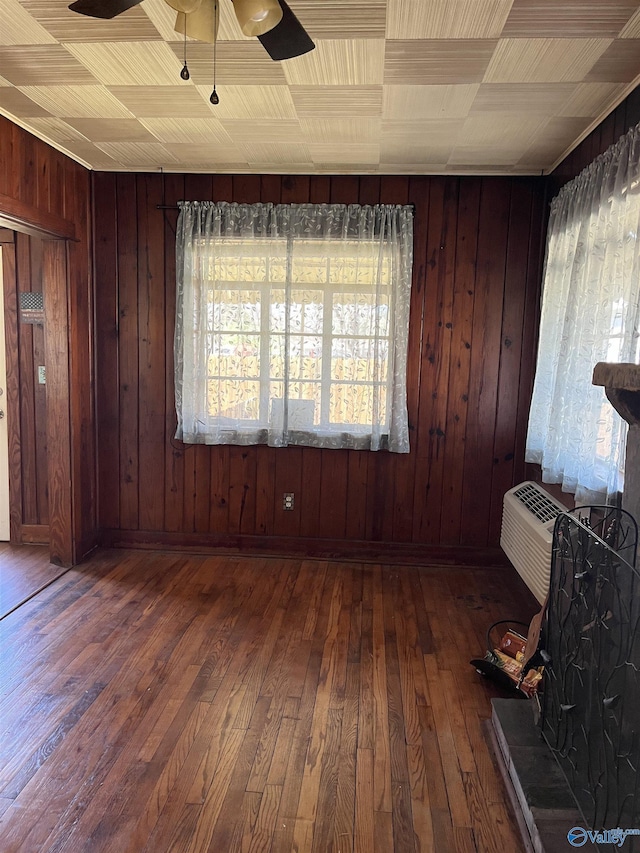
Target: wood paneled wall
x=473 y=327
x=44 y=191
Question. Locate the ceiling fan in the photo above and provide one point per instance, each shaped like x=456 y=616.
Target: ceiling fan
x=272 y=21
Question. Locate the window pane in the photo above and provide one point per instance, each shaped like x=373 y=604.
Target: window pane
x=233 y=398
x=305 y=357
x=277 y=311
x=354 y=404
x=359 y=360
x=277 y=345
x=235 y=310
x=306 y=311
x=358 y=313
x=234 y=356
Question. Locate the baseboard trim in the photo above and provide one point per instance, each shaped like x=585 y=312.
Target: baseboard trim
x=34 y=534
x=407 y=553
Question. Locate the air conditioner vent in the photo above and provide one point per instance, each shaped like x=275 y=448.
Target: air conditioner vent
x=528 y=519
x=537 y=502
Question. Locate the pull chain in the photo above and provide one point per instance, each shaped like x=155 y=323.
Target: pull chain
x=214 y=95
x=185 y=71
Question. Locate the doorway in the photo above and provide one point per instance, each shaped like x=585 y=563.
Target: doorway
x=5 y=514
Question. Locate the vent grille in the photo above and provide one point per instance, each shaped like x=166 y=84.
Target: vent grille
x=537 y=502
x=31 y=301
x=528 y=519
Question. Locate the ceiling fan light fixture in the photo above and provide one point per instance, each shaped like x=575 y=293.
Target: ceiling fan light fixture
x=186 y=6
x=257 y=17
x=201 y=25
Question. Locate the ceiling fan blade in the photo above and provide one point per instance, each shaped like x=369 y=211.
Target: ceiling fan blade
x=103 y=8
x=288 y=38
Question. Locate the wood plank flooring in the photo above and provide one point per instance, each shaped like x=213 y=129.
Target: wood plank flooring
x=24 y=570
x=163 y=702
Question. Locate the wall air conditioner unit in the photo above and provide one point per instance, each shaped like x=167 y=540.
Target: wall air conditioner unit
x=528 y=518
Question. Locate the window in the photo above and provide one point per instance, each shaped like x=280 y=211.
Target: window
x=590 y=313
x=292 y=324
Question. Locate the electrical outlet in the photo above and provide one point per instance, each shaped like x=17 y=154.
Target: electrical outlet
x=287 y=500
x=42 y=374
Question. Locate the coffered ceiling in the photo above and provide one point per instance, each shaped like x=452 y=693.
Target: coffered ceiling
x=394 y=86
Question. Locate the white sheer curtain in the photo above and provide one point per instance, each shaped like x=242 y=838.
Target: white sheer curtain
x=590 y=313
x=292 y=324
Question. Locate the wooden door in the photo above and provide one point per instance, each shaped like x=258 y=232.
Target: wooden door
x=4 y=438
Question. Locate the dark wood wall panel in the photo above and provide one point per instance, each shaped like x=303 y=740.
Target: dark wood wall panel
x=60 y=461
x=477 y=251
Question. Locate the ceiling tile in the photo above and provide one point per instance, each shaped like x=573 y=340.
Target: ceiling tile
x=525 y=98
x=163 y=101
x=437 y=61
x=412 y=155
x=553 y=140
x=251 y=102
x=334 y=131
x=86 y=152
x=42 y=65
x=275 y=154
x=618 y=63
x=208 y=158
x=205 y=131
x=472 y=156
x=421 y=102
x=77 y=101
x=505 y=130
x=112 y=130
x=129 y=63
x=436 y=132
x=340 y=19
x=631 y=30
x=237 y=63
x=447 y=19
x=568 y=18
x=18 y=27
x=592 y=99
x=138 y=155
x=57 y=130
x=544 y=60
x=329 y=155
x=314 y=102
x=16 y=103
x=65 y=25
x=268 y=130
x=338 y=63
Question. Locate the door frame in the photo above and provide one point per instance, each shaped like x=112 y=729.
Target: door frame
x=55 y=232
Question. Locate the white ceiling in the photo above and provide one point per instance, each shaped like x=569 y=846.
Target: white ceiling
x=393 y=87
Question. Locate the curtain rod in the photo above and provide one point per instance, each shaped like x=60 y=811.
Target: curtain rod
x=175 y=207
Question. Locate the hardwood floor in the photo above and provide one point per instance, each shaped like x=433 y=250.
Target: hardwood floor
x=162 y=702
x=24 y=570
